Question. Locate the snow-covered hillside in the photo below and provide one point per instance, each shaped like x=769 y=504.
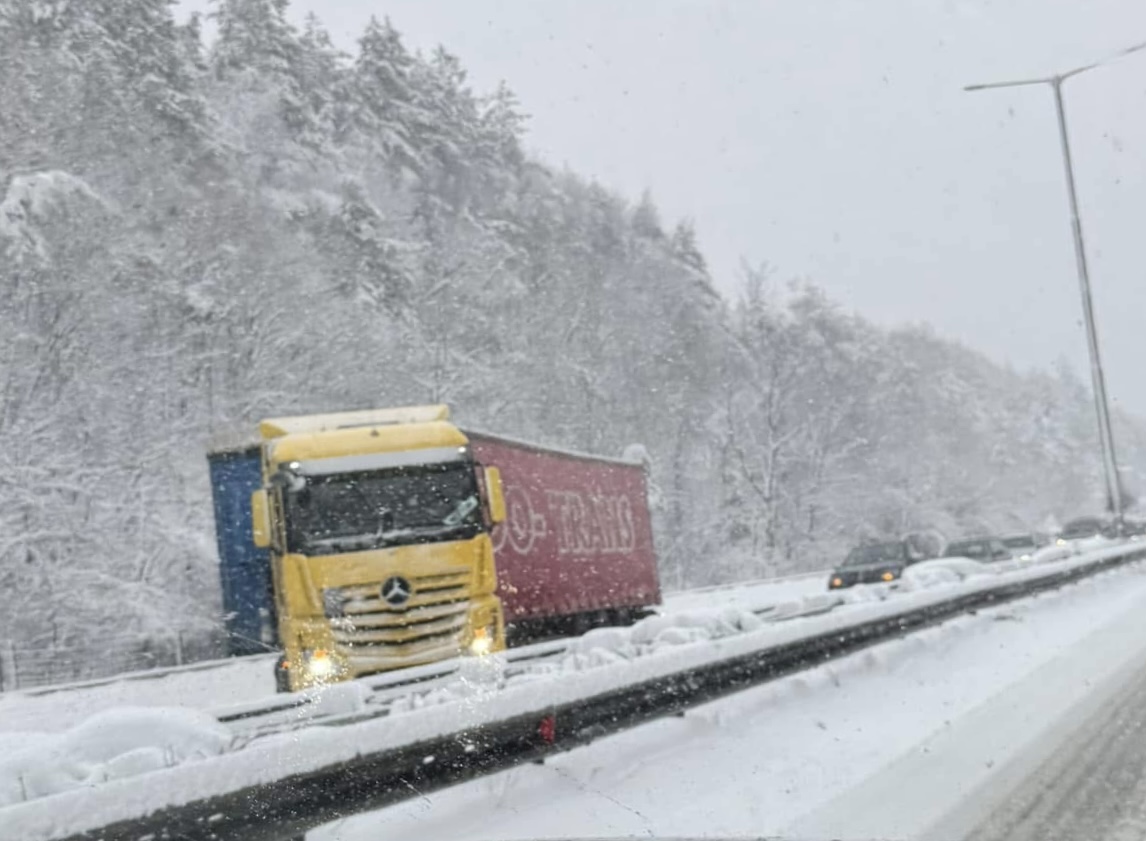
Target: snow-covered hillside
x=199 y=235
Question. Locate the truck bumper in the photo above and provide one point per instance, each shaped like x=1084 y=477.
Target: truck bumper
x=326 y=662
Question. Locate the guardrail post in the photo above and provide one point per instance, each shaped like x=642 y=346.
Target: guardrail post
x=178 y=648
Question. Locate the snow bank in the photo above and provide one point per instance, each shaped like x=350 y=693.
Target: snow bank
x=1090 y=544
x=822 y=602
x=595 y=649
x=944 y=571
x=747 y=595
x=111 y=745
x=1048 y=554
x=607 y=645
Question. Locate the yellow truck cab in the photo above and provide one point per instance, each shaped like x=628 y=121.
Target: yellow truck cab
x=378 y=526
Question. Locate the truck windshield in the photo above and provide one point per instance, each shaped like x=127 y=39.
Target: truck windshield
x=352 y=512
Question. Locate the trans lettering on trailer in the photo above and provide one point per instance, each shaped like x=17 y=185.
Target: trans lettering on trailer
x=593 y=523
x=586 y=524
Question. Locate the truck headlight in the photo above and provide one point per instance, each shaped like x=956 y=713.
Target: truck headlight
x=319 y=665
x=483 y=641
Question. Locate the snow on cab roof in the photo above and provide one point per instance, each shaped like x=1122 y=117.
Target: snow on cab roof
x=302 y=424
x=278 y=427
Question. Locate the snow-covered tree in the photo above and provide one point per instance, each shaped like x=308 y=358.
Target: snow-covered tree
x=383 y=110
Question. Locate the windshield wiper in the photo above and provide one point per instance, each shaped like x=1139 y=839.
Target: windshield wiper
x=361 y=541
x=461 y=511
x=366 y=541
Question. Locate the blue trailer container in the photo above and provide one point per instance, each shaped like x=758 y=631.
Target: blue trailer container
x=244 y=569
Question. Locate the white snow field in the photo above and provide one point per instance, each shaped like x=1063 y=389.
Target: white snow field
x=887 y=743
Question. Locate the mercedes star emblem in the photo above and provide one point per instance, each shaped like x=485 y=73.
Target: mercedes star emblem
x=396 y=590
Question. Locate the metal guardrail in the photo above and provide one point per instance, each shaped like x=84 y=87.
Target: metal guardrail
x=45 y=669
x=290 y=806
x=754 y=582
x=42 y=671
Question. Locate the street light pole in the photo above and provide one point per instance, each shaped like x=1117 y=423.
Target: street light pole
x=1098 y=380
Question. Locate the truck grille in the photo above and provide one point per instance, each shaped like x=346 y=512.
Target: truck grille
x=434 y=615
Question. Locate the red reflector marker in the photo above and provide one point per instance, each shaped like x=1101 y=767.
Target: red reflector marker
x=547 y=729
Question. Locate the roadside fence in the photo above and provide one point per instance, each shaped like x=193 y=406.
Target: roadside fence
x=26 y=667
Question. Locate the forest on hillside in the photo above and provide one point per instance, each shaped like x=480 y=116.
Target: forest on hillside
x=196 y=235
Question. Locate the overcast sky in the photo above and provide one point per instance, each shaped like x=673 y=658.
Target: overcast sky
x=832 y=141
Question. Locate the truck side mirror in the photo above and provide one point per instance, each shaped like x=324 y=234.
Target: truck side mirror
x=495 y=494
x=260 y=519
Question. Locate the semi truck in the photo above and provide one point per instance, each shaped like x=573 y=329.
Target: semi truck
x=365 y=541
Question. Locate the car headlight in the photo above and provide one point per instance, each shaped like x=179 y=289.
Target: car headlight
x=1060 y=542
x=888 y=576
x=1026 y=556
x=836 y=582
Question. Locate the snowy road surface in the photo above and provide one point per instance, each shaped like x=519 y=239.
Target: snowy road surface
x=1089 y=784
x=916 y=738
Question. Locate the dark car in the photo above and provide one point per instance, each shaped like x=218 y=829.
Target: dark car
x=984 y=549
x=1084 y=527
x=1023 y=546
x=869 y=564
x=1133 y=528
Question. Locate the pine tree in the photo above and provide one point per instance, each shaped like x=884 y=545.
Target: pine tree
x=447 y=125
x=684 y=247
x=646 y=219
x=258 y=53
x=383 y=110
x=323 y=81
x=255 y=35
x=502 y=126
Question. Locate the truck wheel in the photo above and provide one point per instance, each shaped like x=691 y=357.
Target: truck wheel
x=282 y=676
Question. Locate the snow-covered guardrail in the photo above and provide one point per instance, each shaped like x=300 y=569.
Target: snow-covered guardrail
x=278 y=788
x=264 y=662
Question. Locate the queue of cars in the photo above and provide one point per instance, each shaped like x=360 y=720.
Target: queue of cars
x=885 y=561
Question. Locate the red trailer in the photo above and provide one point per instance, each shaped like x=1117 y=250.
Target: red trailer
x=576 y=549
